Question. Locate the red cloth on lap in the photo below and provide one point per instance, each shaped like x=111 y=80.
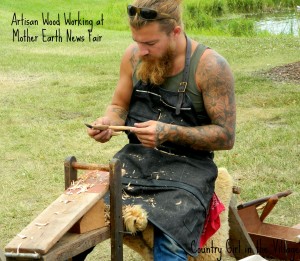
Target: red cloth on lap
x=212 y=222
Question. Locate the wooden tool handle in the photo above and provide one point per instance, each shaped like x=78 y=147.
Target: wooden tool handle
x=115 y=128
x=120 y=128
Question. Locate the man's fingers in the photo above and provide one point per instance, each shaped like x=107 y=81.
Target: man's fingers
x=142 y=124
x=103 y=136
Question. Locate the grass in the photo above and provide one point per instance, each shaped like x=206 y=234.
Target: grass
x=48 y=90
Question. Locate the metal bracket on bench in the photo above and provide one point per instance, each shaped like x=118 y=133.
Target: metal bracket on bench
x=23 y=255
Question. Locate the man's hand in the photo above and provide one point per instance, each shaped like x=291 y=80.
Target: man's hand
x=98 y=135
x=151 y=133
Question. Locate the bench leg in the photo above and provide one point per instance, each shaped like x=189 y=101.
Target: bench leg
x=116 y=220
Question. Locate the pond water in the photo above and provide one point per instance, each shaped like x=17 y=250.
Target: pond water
x=287 y=23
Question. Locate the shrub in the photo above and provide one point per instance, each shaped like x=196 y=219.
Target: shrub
x=196 y=17
x=241 y=27
x=215 y=8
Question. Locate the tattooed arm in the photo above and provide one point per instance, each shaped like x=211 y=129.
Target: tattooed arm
x=116 y=112
x=217 y=86
x=215 y=81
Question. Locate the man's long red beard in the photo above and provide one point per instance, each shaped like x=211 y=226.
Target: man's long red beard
x=156 y=70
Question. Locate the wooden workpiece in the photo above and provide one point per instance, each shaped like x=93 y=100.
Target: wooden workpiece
x=59 y=217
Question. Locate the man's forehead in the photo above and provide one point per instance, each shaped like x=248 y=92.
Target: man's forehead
x=148 y=33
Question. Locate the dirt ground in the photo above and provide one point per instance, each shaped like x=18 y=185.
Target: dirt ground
x=286 y=73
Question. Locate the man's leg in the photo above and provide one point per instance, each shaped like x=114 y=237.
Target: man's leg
x=166 y=249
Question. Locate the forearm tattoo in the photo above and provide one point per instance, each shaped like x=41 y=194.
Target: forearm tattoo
x=122 y=113
x=161 y=132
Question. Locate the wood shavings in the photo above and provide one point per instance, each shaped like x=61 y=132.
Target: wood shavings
x=86 y=182
x=125 y=195
x=41 y=224
x=156 y=174
x=169 y=153
x=129 y=187
x=66 y=201
x=136 y=156
x=82 y=190
x=22 y=236
x=151 y=201
x=18 y=248
x=178 y=203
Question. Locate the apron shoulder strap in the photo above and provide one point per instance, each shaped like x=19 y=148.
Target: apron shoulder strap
x=185 y=78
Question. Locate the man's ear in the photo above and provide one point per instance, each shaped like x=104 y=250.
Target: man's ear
x=177 y=31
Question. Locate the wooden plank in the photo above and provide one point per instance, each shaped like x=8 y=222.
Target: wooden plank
x=297 y=226
x=73 y=244
x=276 y=248
x=287 y=234
x=93 y=219
x=250 y=218
x=45 y=230
x=240 y=242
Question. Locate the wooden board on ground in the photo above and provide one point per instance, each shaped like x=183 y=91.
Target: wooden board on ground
x=45 y=230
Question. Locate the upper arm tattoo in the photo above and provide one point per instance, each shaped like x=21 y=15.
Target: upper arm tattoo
x=218 y=90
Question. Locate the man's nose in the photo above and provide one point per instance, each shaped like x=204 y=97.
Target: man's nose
x=143 y=50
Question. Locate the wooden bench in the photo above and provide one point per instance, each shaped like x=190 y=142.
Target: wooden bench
x=48 y=237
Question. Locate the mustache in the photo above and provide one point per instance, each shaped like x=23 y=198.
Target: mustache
x=149 y=58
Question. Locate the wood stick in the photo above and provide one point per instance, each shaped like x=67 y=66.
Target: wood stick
x=268 y=208
x=90 y=166
x=260 y=201
x=115 y=128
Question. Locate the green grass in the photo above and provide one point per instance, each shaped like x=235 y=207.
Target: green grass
x=48 y=90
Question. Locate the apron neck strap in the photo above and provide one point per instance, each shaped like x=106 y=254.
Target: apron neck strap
x=183 y=84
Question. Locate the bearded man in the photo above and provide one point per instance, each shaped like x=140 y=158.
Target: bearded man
x=178 y=95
